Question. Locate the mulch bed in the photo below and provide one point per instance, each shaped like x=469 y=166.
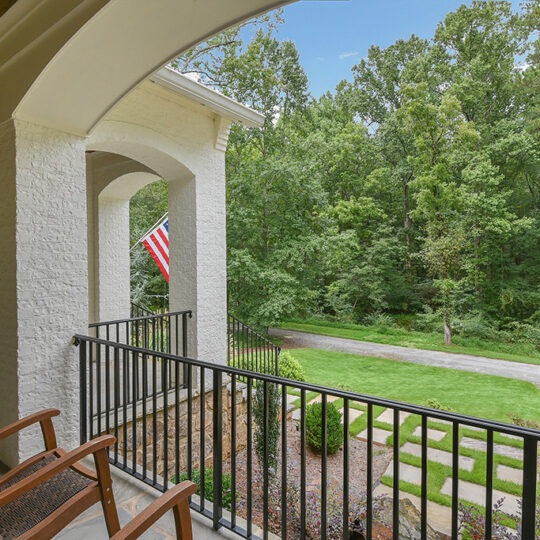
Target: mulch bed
x=382 y=456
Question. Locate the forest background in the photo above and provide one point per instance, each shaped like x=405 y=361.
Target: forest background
x=409 y=195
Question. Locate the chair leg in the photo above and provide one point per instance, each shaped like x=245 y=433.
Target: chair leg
x=107 y=497
x=182 y=520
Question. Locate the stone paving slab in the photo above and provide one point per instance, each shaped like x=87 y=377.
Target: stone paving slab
x=353 y=414
x=379 y=435
x=387 y=417
x=477 y=495
x=510 y=473
x=407 y=473
x=434 y=434
x=501 y=449
x=439 y=456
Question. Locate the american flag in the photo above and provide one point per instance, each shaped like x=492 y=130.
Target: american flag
x=157 y=243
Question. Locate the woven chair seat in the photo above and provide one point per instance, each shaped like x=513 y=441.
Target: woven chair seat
x=30 y=509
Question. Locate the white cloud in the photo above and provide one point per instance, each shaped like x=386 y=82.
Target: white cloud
x=320 y=58
x=348 y=54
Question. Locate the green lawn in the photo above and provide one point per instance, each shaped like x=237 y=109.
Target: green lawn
x=420 y=340
x=476 y=394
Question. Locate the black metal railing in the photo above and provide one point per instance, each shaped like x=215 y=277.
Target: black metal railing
x=163 y=332
x=249 y=349
x=218 y=422
x=137 y=310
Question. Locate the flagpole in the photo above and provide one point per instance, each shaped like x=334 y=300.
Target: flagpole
x=148 y=231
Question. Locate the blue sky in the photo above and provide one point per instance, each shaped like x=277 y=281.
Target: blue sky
x=333 y=35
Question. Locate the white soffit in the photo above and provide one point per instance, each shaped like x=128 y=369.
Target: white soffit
x=214 y=100
x=120 y=46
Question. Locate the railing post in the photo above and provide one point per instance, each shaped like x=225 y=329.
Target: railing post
x=83 y=389
x=218 y=448
x=530 y=456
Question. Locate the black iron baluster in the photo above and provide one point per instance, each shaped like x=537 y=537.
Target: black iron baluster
x=107 y=387
x=345 y=468
x=83 y=434
x=134 y=359
x=233 y=450
x=455 y=478
x=530 y=457
x=99 y=389
x=91 y=389
x=423 y=483
x=190 y=421
x=284 y=461
x=489 y=484
x=202 y=433
x=324 y=440
x=124 y=406
x=184 y=342
x=176 y=414
x=154 y=419
x=249 y=443
x=369 y=472
x=165 y=385
x=302 y=463
x=266 y=430
x=395 y=516
x=217 y=423
x=116 y=382
x=144 y=427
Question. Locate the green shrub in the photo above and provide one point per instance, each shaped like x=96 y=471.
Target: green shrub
x=290 y=367
x=209 y=485
x=334 y=429
x=381 y=320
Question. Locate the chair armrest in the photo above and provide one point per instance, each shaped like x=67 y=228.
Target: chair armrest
x=43 y=417
x=52 y=469
x=177 y=499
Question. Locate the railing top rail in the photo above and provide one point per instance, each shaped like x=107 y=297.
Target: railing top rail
x=253 y=330
x=145 y=317
x=402 y=406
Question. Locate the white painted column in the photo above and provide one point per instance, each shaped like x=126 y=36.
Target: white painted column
x=43 y=285
x=197 y=247
x=113 y=259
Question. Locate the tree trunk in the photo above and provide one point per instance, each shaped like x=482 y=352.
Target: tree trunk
x=447 y=332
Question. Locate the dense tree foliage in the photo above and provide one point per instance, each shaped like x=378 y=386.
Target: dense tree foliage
x=413 y=188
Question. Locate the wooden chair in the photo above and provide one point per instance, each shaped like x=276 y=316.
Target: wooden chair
x=42 y=495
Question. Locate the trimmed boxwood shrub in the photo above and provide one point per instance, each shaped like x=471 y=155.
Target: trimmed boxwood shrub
x=290 y=367
x=209 y=485
x=334 y=428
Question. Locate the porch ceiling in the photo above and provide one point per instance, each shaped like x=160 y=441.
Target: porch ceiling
x=68 y=73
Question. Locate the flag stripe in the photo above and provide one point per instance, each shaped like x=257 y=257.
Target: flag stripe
x=157 y=244
x=160 y=247
x=164 y=271
x=164 y=237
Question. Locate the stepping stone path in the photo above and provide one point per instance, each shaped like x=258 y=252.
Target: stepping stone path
x=477 y=495
x=440 y=516
x=502 y=449
x=434 y=434
x=388 y=417
x=439 y=456
x=510 y=474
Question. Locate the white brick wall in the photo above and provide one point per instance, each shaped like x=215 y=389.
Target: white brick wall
x=49 y=271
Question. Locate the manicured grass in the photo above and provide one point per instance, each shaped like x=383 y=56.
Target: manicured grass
x=475 y=394
x=525 y=353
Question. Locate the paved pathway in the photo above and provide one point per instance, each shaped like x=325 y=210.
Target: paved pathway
x=464 y=362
